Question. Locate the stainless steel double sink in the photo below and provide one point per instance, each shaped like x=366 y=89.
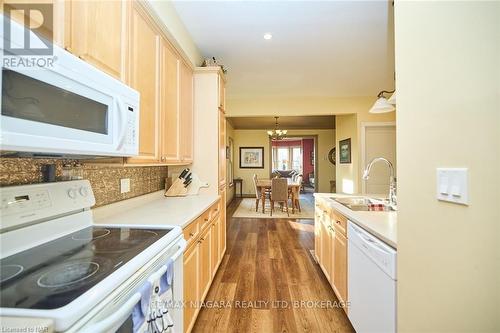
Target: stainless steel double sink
x=365 y=204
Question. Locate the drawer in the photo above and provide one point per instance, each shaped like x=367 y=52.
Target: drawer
x=191 y=231
x=204 y=219
x=339 y=222
x=215 y=209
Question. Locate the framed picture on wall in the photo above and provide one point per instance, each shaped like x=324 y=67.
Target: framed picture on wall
x=345 y=151
x=251 y=157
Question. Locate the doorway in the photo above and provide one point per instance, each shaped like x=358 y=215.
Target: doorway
x=296 y=153
x=378 y=140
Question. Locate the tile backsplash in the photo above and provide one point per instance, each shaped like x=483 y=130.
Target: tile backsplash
x=105 y=179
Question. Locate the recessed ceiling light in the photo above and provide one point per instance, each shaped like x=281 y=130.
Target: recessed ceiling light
x=267 y=36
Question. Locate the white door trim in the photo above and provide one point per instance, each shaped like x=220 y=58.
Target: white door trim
x=364 y=125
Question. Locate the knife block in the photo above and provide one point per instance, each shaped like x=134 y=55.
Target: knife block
x=177 y=189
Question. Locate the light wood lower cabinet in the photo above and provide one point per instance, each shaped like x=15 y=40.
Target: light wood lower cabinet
x=205 y=249
x=340 y=266
x=330 y=241
x=191 y=283
x=205 y=262
x=326 y=259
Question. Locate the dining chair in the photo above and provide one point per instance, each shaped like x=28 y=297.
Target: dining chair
x=258 y=194
x=279 y=193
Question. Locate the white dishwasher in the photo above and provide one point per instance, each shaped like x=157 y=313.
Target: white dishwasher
x=371 y=282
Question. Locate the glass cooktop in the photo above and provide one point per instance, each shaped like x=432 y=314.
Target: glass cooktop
x=53 y=274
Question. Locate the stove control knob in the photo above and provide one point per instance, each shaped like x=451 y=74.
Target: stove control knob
x=84 y=191
x=72 y=193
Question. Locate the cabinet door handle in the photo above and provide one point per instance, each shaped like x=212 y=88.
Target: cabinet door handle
x=191 y=234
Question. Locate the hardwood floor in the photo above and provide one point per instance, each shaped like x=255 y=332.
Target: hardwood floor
x=266 y=272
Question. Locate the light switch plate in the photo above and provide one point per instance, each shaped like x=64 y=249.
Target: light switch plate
x=124 y=185
x=452 y=185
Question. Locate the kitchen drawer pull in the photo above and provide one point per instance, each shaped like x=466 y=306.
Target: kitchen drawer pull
x=191 y=234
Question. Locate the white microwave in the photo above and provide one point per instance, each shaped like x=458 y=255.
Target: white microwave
x=70 y=108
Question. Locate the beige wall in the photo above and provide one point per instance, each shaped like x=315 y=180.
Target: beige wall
x=346 y=127
x=349 y=126
x=259 y=138
x=230 y=187
x=448 y=79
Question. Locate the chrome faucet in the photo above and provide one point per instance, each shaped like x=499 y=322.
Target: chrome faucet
x=392 y=179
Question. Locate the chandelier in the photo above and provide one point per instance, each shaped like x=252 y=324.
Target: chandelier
x=277 y=134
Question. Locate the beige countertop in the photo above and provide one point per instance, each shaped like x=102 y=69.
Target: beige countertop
x=155 y=209
x=382 y=225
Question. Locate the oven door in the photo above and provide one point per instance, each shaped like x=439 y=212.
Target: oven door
x=120 y=320
x=54 y=111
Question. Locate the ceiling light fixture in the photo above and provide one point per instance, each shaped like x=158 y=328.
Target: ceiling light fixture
x=277 y=134
x=268 y=36
x=382 y=105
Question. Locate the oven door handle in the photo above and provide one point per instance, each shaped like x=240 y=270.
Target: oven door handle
x=182 y=247
x=156 y=275
x=116 y=318
x=122 y=116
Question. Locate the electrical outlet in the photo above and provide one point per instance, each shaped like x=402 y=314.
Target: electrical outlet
x=124 y=185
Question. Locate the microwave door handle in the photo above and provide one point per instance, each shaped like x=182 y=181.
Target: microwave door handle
x=122 y=121
x=116 y=318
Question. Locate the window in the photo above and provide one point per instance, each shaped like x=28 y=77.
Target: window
x=287 y=158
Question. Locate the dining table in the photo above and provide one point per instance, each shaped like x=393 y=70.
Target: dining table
x=264 y=185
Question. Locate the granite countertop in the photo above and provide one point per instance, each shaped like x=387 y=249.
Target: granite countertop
x=382 y=225
x=155 y=209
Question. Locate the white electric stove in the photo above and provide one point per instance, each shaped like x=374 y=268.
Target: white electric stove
x=55 y=263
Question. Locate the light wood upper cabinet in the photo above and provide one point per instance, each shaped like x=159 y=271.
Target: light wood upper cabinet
x=143 y=75
x=340 y=266
x=169 y=105
x=35 y=19
x=95 y=32
x=186 y=113
x=222 y=148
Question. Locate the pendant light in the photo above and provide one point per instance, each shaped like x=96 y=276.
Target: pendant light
x=382 y=105
x=276 y=134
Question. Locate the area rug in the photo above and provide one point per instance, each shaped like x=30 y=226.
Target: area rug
x=246 y=209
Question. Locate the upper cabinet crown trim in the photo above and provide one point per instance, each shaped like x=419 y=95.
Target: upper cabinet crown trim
x=211 y=69
x=165 y=32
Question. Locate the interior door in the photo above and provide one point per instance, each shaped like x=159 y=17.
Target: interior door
x=380 y=141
